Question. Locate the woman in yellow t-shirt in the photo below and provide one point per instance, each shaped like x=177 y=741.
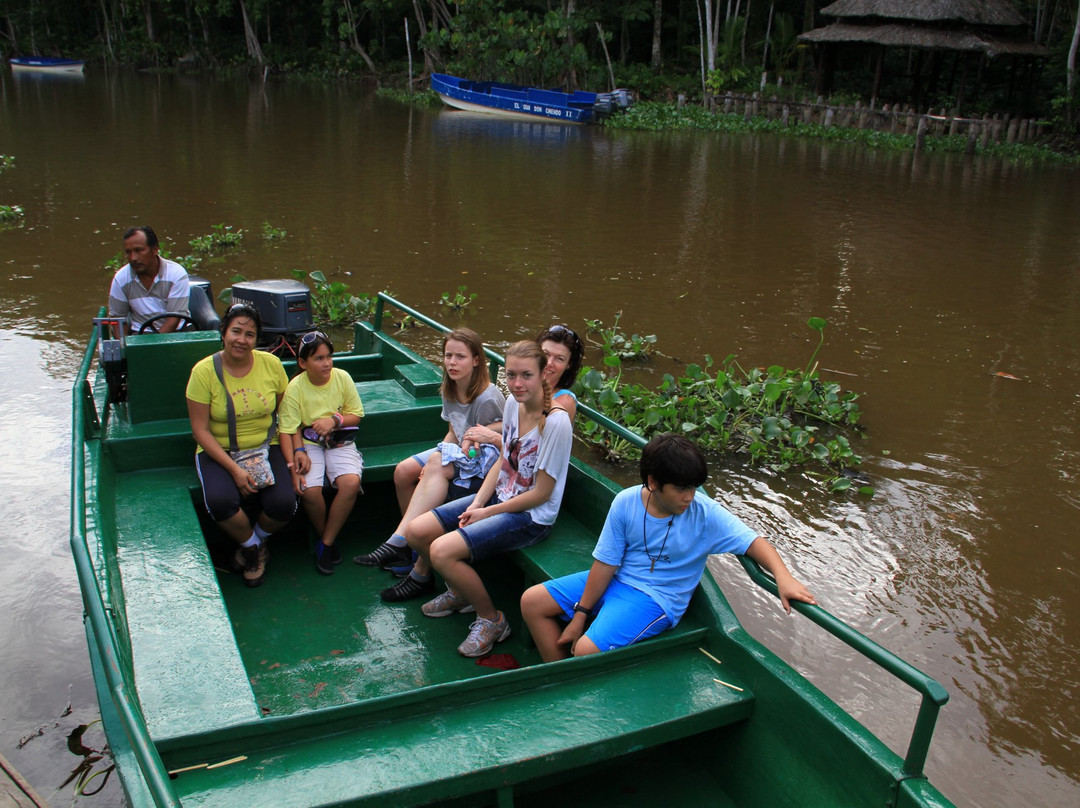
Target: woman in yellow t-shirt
x=255 y=381
x=319 y=401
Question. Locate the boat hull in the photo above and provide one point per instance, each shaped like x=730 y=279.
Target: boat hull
x=45 y=64
x=311 y=691
x=514 y=101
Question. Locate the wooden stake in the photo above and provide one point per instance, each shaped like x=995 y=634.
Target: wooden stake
x=228 y=762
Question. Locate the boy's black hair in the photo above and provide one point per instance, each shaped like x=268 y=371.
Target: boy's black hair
x=671 y=458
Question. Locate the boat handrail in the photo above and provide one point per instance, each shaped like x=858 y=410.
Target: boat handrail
x=495 y=360
x=146 y=754
x=934 y=695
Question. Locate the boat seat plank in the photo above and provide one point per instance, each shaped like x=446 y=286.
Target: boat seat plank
x=188 y=670
x=414 y=752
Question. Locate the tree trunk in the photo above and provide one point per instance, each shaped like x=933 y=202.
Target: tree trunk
x=354 y=40
x=1070 y=70
x=148 y=14
x=251 y=39
x=656 y=60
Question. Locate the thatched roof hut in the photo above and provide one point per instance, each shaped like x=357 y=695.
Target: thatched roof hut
x=973 y=12
x=986 y=27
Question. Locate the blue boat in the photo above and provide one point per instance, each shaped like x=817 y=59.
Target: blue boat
x=529 y=103
x=46 y=64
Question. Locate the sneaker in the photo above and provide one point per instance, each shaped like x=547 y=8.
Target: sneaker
x=404 y=569
x=407 y=589
x=335 y=555
x=446 y=604
x=483 y=634
x=385 y=555
x=324 y=558
x=251 y=561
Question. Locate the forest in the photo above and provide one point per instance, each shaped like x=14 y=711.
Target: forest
x=659 y=49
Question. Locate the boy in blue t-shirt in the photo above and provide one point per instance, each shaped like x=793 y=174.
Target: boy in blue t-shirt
x=649 y=559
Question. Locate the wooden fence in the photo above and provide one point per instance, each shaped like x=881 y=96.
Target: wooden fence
x=896 y=120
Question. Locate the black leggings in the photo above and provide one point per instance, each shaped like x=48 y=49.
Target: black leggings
x=222 y=497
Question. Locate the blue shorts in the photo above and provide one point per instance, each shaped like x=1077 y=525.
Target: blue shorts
x=495 y=535
x=625 y=615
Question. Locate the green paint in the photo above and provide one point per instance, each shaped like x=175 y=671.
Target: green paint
x=333 y=697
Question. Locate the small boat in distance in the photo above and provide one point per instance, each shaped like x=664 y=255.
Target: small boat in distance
x=529 y=103
x=46 y=64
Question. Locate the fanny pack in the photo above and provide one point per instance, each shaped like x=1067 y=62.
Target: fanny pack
x=256 y=462
x=335 y=439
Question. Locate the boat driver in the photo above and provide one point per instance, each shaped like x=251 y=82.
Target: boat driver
x=148 y=284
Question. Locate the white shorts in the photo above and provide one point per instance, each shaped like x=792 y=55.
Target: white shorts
x=332 y=463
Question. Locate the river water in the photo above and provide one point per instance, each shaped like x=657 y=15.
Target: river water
x=951 y=287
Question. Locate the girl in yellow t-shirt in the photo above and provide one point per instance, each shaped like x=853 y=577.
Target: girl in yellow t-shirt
x=318 y=403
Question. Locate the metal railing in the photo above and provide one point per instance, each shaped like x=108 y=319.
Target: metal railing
x=150 y=765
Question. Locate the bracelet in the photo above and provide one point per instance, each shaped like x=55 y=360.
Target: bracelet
x=300 y=449
x=582 y=610
x=338 y=419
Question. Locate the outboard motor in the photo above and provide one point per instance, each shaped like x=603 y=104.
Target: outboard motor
x=201 y=305
x=285 y=309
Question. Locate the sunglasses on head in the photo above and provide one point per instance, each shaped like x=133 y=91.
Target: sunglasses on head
x=311 y=336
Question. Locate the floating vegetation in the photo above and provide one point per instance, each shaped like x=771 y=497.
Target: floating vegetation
x=423 y=98
x=331 y=301
x=780 y=418
x=6 y=161
x=9 y=213
x=461 y=299
x=222 y=237
x=271 y=233
x=614 y=343
x=656 y=116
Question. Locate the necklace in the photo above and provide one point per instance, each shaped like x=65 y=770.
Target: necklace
x=654 y=558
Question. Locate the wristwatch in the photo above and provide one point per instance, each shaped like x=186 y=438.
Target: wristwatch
x=582 y=610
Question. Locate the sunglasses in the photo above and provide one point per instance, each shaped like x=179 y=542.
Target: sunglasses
x=311 y=336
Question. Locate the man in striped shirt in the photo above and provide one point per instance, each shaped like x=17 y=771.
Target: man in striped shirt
x=148 y=284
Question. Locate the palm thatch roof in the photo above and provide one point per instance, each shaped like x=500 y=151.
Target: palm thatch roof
x=972 y=12
x=912 y=36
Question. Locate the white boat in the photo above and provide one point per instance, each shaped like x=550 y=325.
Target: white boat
x=46 y=64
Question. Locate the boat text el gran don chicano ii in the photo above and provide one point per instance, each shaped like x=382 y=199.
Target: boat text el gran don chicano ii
x=311 y=691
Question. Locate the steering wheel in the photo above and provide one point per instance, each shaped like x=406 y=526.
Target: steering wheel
x=150 y=324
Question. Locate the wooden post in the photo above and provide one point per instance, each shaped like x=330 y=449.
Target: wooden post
x=984 y=135
x=953 y=124
x=909 y=120
x=973 y=131
x=728 y=99
x=785 y=115
x=827 y=123
x=920 y=136
x=1014 y=125
x=1022 y=135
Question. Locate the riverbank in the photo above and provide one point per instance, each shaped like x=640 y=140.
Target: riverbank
x=657 y=116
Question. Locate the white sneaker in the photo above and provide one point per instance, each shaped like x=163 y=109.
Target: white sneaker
x=483 y=634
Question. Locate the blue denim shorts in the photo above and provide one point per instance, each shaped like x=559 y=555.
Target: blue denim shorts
x=495 y=535
x=624 y=615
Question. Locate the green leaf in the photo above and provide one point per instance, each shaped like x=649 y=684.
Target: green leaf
x=609 y=398
x=318 y=277
x=841 y=484
x=817 y=323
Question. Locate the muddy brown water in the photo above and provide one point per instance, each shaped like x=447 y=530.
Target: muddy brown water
x=941 y=278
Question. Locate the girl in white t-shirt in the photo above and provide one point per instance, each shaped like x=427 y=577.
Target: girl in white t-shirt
x=515 y=507
x=433 y=477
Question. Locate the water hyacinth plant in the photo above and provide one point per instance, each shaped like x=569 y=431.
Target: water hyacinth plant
x=331 y=301
x=778 y=418
x=221 y=237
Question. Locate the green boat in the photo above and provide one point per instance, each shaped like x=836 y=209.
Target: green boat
x=310 y=691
